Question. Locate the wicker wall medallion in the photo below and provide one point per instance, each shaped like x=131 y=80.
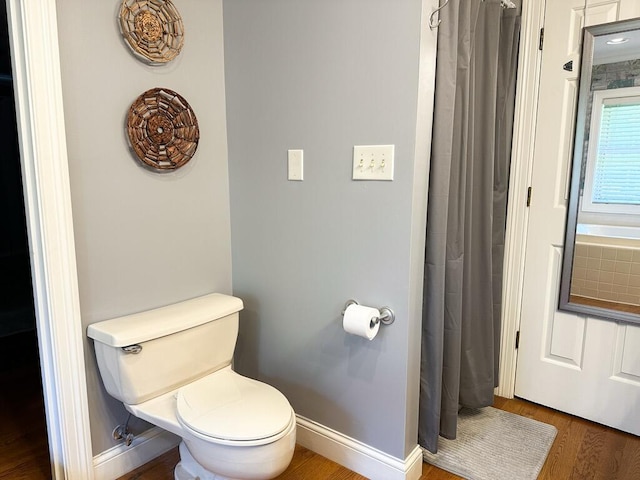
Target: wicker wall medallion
x=152 y=28
x=163 y=129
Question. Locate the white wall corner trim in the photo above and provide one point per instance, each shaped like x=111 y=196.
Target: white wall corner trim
x=356 y=456
x=520 y=178
x=36 y=71
x=120 y=460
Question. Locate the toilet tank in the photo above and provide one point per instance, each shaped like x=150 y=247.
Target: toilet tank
x=146 y=354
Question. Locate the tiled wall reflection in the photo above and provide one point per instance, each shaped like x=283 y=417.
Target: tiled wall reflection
x=606 y=273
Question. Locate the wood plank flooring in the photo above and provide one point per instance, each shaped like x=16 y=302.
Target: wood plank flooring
x=24 y=451
x=582 y=450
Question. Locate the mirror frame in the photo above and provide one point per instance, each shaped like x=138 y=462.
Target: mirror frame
x=589 y=35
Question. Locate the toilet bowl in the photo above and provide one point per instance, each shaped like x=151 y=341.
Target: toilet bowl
x=172 y=367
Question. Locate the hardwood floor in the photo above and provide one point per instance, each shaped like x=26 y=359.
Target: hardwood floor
x=24 y=452
x=592 y=302
x=582 y=450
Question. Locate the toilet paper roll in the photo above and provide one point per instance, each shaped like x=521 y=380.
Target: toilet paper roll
x=357 y=320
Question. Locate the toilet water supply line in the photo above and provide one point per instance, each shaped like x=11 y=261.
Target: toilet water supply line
x=121 y=432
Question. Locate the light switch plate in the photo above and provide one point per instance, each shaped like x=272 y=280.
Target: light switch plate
x=295 y=165
x=373 y=162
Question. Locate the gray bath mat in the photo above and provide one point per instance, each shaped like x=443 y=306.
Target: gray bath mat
x=494 y=445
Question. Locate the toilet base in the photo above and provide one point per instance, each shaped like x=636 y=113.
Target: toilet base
x=188 y=469
x=180 y=473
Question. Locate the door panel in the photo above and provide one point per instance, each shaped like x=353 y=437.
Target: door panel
x=586 y=366
x=627 y=356
x=566 y=342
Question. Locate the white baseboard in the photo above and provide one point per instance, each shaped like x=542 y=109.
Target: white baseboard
x=357 y=456
x=119 y=460
x=346 y=451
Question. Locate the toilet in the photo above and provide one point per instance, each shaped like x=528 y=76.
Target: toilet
x=172 y=367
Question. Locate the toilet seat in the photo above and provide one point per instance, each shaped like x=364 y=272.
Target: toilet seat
x=227 y=408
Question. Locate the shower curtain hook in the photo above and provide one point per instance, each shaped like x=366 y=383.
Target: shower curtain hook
x=433 y=25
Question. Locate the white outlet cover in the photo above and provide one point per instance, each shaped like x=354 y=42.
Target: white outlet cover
x=373 y=162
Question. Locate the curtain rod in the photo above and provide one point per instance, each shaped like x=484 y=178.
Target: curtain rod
x=507 y=4
x=435 y=24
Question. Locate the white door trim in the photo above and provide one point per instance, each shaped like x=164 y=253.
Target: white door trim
x=526 y=112
x=33 y=33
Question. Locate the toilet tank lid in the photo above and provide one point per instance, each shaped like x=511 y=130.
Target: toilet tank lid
x=144 y=326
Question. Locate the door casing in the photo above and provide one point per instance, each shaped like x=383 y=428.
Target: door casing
x=526 y=115
x=33 y=35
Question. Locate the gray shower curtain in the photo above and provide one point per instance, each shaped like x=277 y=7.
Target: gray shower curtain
x=473 y=118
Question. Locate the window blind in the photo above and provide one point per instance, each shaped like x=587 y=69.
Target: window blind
x=616 y=178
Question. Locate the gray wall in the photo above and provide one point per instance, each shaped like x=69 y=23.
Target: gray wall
x=143 y=239
x=324 y=76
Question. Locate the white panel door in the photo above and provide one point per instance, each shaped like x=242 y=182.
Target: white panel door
x=585 y=366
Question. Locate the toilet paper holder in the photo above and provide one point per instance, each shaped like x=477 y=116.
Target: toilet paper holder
x=387 y=317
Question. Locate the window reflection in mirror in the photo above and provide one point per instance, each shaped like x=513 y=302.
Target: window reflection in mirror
x=601 y=269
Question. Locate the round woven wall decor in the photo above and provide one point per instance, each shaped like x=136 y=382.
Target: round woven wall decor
x=163 y=129
x=152 y=28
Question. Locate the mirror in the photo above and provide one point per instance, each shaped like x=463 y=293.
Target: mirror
x=601 y=265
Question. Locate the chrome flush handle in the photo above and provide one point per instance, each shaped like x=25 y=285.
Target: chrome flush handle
x=135 y=349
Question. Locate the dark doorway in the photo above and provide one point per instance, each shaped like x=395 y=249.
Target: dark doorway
x=24 y=451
